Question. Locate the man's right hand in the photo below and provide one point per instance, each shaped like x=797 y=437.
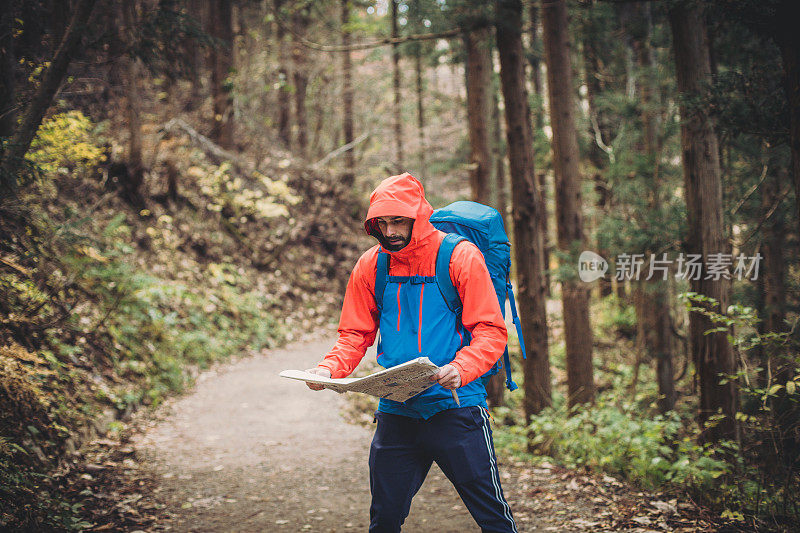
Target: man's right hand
x=324 y=372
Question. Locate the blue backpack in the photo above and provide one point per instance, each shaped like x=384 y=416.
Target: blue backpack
x=482 y=226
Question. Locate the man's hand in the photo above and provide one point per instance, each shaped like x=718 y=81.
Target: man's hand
x=448 y=377
x=324 y=372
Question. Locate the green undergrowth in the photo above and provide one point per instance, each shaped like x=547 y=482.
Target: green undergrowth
x=132 y=336
x=105 y=308
x=623 y=434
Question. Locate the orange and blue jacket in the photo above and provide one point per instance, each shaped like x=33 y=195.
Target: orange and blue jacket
x=416 y=322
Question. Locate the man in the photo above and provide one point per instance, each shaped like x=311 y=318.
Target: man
x=415 y=321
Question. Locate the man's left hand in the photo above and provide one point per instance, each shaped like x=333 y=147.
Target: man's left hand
x=448 y=377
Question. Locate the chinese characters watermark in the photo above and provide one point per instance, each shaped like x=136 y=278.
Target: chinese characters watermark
x=635 y=267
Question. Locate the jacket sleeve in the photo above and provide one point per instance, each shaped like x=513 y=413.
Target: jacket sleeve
x=358 y=324
x=480 y=314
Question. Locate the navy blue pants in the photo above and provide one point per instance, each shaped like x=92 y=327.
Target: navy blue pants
x=460 y=441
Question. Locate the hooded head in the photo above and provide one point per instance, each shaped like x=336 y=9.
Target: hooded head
x=400 y=196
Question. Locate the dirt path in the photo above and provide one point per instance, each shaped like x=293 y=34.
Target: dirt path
x=249 y=451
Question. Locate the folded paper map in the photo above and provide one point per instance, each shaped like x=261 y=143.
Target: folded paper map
x=398 y=383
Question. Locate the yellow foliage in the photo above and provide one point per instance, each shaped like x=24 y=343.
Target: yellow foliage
x=267 y=199
x=65 y=140
x=21 y=399
x=91 y=251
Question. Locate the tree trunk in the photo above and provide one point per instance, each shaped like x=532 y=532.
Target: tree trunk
x=397 y=119
x=597 y=157
x=134 y=178
x=789 y=43
x=221 y=70
x=420 y=107
x=621 y=291
x=320 y=116
x=498 y=154
x=774 y=264
x=655 y=301
x=654 y=334
x=771 y=282
x=284 y=105
x=527 y=217
x=479 y=81
x=712 y=353
x=347 y=97
x=300 y=76
x=197 y=10
x=495 y=388
x=538 y=123
x=772 y=288
x=541 y=182
x=172 y=180
x=59 y=15
x=569 y=220
x=602 y=195
x=536 y=65
x=19 y=144
x=8 y=102
x=779 y=364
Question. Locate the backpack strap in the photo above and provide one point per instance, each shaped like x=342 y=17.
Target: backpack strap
x=381 y=275
x=450 y=295
x=449 y=292
x=510 y=292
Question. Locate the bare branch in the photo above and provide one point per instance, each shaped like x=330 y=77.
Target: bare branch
x=751 y=191
x=598 y=138
x=364 y=46
x=768 y=214
x=342 y=149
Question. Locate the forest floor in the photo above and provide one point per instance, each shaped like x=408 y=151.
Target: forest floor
x=248 y=451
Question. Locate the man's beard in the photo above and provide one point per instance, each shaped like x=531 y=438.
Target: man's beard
x=394 y=246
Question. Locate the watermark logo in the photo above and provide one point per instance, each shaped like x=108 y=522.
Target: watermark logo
x=635 y=267
x=591 y=266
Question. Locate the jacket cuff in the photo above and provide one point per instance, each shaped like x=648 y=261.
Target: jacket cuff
x=461 y=372
x=328 y=367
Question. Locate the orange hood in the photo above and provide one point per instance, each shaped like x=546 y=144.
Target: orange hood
x=401 y=196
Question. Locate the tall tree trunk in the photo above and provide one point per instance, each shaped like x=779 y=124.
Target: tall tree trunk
x=774 y=262
x=19 y=144
x=541 y=182
x=651 y=300
x=569 y=220
x=300 y=76
x=284 y=104
x=527 y=217
x=397 y=110
x=319 y=115
x=420 y=107
x=598 y=127
x=347 y=97
x=221 y=70
x=495 y=388
x=196 y=10
x=789 y=43
x=8 y=102
x=538 y=123
x=654 y=296
x=59 y=15
x=778 y=364
x=771 y=283
x=536 y=64
x=479 y=81
x=712 y=353
x=135 y=176
x=499 y=156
